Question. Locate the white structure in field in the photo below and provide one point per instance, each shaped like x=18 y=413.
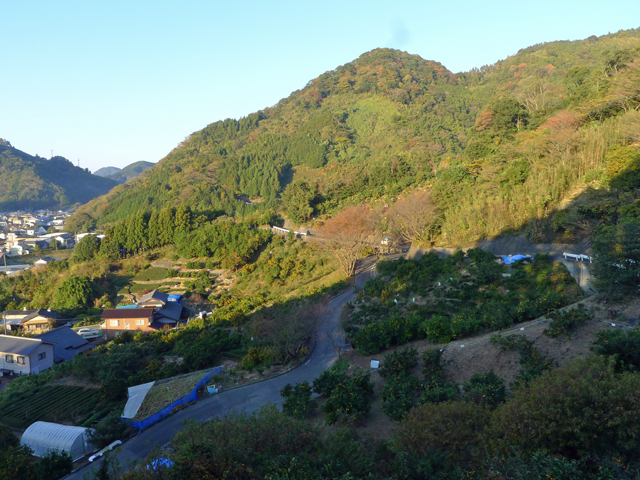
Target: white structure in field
x=43 y=437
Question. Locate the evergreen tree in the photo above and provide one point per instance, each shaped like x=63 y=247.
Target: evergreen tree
x=153 y=236
x=166 y=219
x=87 y=248
x=183 y=220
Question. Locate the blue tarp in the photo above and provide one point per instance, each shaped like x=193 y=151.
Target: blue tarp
x=192 y=396
x=514 y=258
x=175 y=298
x=160 y=462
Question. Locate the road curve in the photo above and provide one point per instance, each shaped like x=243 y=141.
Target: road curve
x=248 y=398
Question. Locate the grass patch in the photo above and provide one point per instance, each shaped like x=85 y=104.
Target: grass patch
x=153 y=273
x=138 y=287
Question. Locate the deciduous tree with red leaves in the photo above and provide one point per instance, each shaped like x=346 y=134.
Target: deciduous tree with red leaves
x=347 y=233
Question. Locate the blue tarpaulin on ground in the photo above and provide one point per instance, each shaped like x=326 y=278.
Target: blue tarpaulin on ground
x=514 y=258
x=192 y=396
x=160 y=462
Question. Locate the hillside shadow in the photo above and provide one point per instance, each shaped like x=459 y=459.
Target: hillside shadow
x=571 y=228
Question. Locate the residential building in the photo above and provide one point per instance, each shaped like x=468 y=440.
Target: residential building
x=14 y=317
x=65 y=240
x=24 y=356
x=40 y=321
x=44 y=261
x=66 y=343
x=154 y=299
x=117 y=320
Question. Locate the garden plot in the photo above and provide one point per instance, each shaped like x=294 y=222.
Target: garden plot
x=166 y=392
x=58 y=403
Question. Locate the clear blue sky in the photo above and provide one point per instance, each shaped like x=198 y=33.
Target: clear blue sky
x=114 y=82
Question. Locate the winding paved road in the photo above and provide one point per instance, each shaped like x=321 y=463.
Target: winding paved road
x=248 y=398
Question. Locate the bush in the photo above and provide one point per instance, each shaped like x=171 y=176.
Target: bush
x=194 y=265
x=350 y=399
x=111 y=428
x=454 y=428
x=399 y=394
x=432 y=367
x=395 y=330
x=563 y=322
x=399 y=362
x=623 y=345
x=242 y=446
x=485 y=388
x=584 y=408
x=54 y=465
x=440 y=393
x=330 y=378
x=532 y=363
x=297 y=400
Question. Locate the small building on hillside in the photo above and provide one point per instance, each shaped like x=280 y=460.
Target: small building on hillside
x=117 y=320
x=154 y=311
x=43 y=437
x=39 y=321
x=24 y=356
x=66 y=343
x=154 y=299
x=166 y=310
x=44 y=261
x=66 y=240
x=14 y=317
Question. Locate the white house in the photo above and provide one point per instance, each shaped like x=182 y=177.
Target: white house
x=24 y=356
x=44 y=261
x=37 y=231
x=18 y=249
x=66 y=240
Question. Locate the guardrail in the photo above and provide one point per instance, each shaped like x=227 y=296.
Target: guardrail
x=578 y=257
x=287 y=230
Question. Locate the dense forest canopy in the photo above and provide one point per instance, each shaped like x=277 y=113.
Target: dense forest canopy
x=500 y=147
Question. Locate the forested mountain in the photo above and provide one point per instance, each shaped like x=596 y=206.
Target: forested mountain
x=34 y=182
x=130 y=171
x=500 y=147
x=106 y=171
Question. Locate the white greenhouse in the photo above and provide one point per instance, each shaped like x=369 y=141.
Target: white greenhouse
x=43 y=437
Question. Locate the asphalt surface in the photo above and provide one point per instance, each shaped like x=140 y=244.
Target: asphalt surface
x=245 y=399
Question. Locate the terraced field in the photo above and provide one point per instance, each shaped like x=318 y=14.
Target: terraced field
x=57 y=403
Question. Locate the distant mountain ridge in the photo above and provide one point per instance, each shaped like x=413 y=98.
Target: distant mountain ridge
x=28 y=182
x=130 y=171
x=106 y=171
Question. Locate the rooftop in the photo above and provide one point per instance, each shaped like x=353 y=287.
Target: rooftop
x=117 y=313
x=19 y=345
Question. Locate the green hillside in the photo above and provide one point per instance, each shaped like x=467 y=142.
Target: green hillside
x=130 y=171
x=499 y=148
x=34 y=182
